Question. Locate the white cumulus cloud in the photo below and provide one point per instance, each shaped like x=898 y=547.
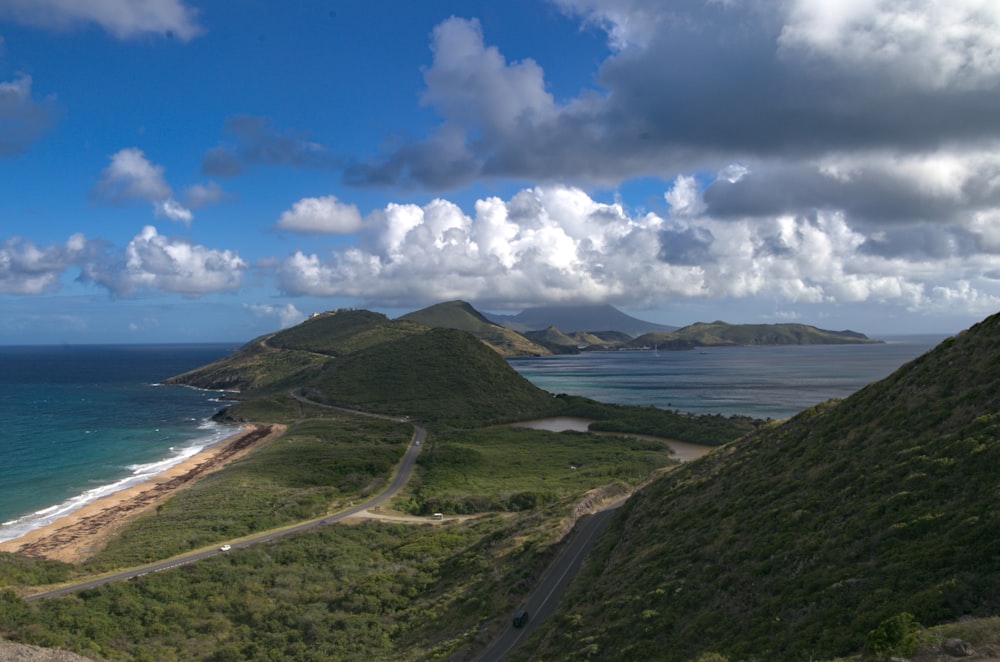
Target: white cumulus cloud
x=131 y=176
x=153 y=262
x=321 y=215
x=556 y=244
x=172 y=210
x=27 y=269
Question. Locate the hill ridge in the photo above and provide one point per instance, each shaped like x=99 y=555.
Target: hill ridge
x=799 y=539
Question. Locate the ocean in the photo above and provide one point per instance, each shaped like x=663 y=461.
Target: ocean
x=83 y=421
x=80 y=422
x=762 y=381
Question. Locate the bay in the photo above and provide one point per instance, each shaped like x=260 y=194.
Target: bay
x=773 y=382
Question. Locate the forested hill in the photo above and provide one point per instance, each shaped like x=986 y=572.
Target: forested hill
x=796 y=542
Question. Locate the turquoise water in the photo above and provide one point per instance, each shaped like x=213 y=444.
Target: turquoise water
x=82 y=421
x=764 y=382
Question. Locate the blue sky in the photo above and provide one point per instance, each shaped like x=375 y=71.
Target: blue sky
x=185 y=171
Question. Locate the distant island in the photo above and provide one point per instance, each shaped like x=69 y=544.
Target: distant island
x=602 y=328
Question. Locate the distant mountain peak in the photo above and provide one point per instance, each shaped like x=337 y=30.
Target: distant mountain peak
x=572 y=318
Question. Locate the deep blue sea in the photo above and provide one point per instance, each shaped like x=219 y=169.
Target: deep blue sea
x=764 y=382
x=82 y=421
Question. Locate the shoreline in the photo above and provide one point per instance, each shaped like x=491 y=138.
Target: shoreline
x=79 y=534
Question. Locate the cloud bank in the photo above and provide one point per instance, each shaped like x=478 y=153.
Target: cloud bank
x=149 y=264
x=555 y=244
x=813 y=151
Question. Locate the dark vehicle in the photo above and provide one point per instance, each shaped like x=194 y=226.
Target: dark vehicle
x=520 y=618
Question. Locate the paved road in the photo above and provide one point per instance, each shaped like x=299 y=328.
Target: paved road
x=399 y=480
x=541 y=603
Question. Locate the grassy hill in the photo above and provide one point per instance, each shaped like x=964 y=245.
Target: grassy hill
x=798 y=541
x=361 y=359
x=444 y=376
x=276 y=357
x=460 y=315
x=712 y=334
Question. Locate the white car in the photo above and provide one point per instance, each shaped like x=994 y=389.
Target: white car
x=225 y=548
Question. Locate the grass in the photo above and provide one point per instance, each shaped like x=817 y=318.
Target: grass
x=361 y=592
x=512 y=469
x=372 y=590
x=445 y=377
x=318 y=465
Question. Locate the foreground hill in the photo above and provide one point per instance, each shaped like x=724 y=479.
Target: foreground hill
x=716 y=334
x=795 y=542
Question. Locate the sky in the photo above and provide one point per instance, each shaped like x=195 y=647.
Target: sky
x=201 y=171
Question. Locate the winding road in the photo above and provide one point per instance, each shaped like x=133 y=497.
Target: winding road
x=400 y=478
x=540 y=603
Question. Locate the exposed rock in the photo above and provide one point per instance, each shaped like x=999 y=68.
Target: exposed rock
x=10 y=652
x=957 y=648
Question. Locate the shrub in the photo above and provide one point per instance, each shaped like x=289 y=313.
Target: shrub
x=896 y=635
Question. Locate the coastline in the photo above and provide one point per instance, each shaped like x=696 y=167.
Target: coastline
x=77 y=535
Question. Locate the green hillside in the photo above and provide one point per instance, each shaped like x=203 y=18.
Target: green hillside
x=360 y=359
x=462 y=316
x=796 y=542
x=712 y=334
x=276 y=357
x=343 y=332
x=443 y=375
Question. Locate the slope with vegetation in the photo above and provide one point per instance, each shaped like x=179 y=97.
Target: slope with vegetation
x=462 y=316
x=278 y=356
x=373 y=590
x=838 y=530
x=842 y=528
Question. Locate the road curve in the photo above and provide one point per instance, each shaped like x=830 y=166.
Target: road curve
x=400 y=478
x=540 y=603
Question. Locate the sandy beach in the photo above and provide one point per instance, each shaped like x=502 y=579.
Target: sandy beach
x=77 y=535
